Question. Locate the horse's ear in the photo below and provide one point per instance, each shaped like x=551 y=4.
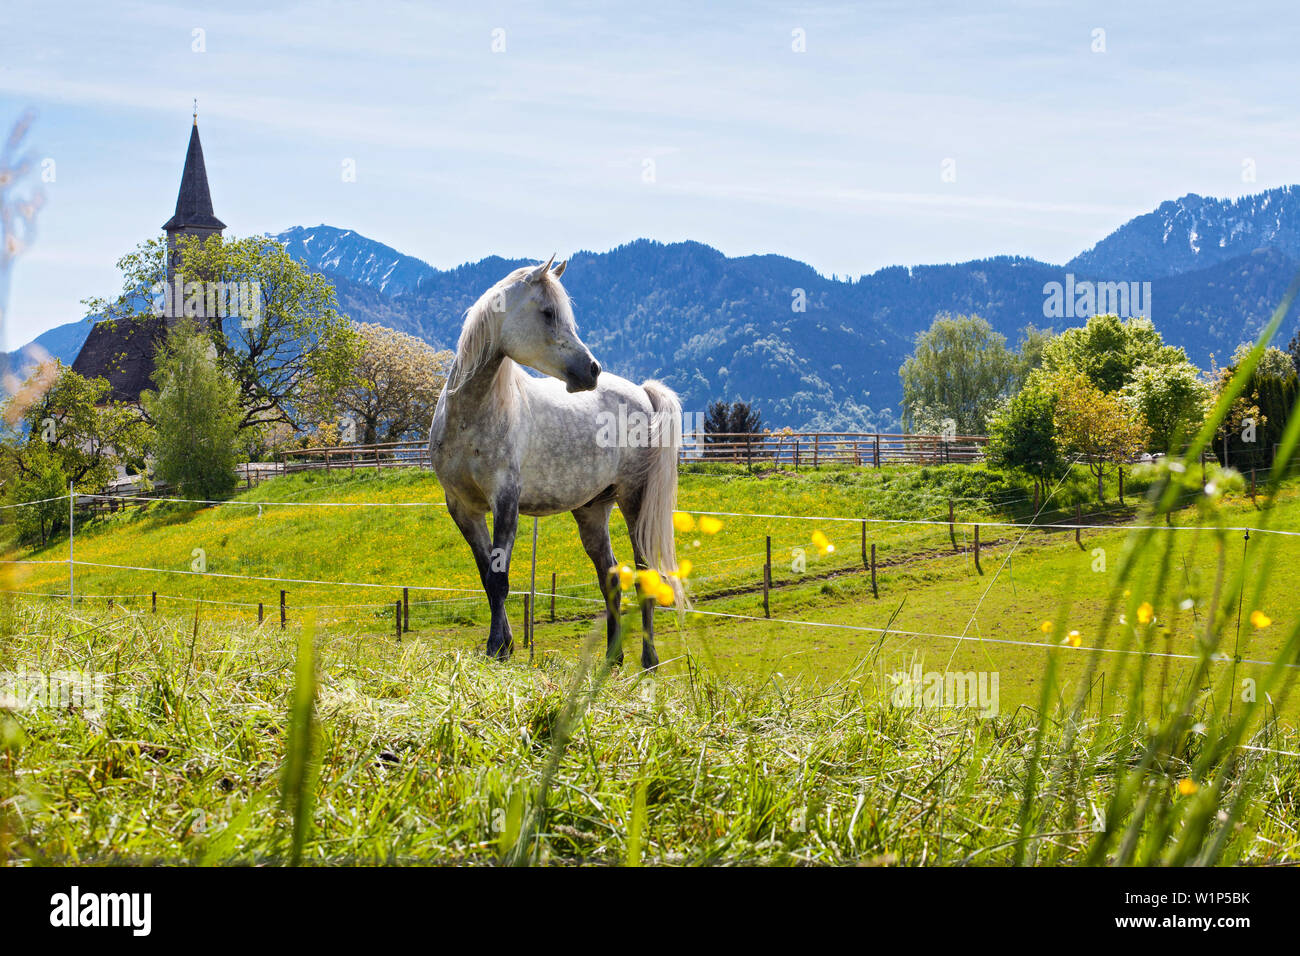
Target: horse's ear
x=540 y=271
x=559 y=270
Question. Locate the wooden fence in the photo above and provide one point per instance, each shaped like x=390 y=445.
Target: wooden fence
x=393 y=454
x=796 y=449
x=799 y=449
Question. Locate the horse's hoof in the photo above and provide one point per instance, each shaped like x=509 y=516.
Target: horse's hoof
x=615 y=661
x=649 y=661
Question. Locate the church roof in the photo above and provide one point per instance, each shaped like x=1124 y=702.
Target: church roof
x=122 y=351
x=194 y=202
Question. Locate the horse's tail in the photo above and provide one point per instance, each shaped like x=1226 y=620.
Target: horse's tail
x=654 y=527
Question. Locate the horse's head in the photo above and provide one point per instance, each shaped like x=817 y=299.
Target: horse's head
x=537 y=329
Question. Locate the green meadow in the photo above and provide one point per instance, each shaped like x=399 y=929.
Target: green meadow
x=1143 y=683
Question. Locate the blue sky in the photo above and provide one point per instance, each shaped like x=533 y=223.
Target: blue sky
x=834 y=155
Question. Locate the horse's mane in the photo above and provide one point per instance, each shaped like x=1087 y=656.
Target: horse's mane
x=478 y=341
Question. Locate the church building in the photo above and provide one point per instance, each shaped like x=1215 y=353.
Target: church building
x=122 y=350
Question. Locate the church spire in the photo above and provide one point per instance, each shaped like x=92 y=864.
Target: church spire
x=194 y=214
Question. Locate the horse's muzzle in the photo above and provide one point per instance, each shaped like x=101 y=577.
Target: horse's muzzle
x=582 y=376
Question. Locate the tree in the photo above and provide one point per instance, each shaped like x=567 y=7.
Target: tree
x=960 y=369
x=735 y=418
x=1029 y=353
x=724 y=420
x=197 y=416
x=284 y=343
x=1108 y=349
x=1171 y=400
x=1022 y=437
x=71 y=416
x=1097 y=426
x=1259 y=414
x=43 y=479
x=396 y=381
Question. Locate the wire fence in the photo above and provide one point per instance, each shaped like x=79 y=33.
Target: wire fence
x=401 y=607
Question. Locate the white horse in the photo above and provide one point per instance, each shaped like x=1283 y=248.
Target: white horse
x=511 y=443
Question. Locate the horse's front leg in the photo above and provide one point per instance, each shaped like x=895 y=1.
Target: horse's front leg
x=505 y=521
x=473 y=526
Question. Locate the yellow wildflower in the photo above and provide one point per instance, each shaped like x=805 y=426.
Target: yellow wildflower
x=1145 y=611
x=1187 y=787
x=1260 y=619
x=649 y=580
x=683 y=522
x=710 y=524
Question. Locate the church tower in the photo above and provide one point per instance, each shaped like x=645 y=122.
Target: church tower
x=193 y=216
x=122 y=350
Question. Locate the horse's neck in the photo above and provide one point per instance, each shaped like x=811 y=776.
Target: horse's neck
x=475 y=397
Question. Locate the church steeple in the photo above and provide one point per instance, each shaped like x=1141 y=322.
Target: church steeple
x=122 y=350
x=194 y=214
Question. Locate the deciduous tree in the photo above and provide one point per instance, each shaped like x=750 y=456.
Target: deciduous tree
x=395 y=384
x=1099 y=427
x=196 y=414
x=294 y=350
x=960 y=370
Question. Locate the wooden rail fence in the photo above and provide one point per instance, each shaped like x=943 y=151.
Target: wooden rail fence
x=796 y=449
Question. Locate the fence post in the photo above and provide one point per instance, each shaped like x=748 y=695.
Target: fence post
x=406 y=610
x=864 y=543
x=282 y=614
x=528 y=619
x=259 y=613
x=978 y=569
x=1121 y=484
x=875 y=593
x=817 y=448
x=952 y=528
x=552 y=597
x=155 y=602
x=1078 y=520
x=767 y=579
x=397 y=619
x=876 y=452
x=796 y=457
x=72 y=565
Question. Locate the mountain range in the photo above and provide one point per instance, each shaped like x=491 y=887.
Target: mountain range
x=818 y=352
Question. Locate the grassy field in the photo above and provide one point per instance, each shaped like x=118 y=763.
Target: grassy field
x=758 y=741
x=940 y=610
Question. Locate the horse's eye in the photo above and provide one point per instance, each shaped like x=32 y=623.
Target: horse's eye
x=548 y=313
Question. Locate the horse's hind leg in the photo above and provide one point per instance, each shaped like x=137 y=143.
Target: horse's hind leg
x=631 y=508
x=593 y=527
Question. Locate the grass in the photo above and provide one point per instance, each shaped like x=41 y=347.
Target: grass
x=424 y=755
x=929 y=591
